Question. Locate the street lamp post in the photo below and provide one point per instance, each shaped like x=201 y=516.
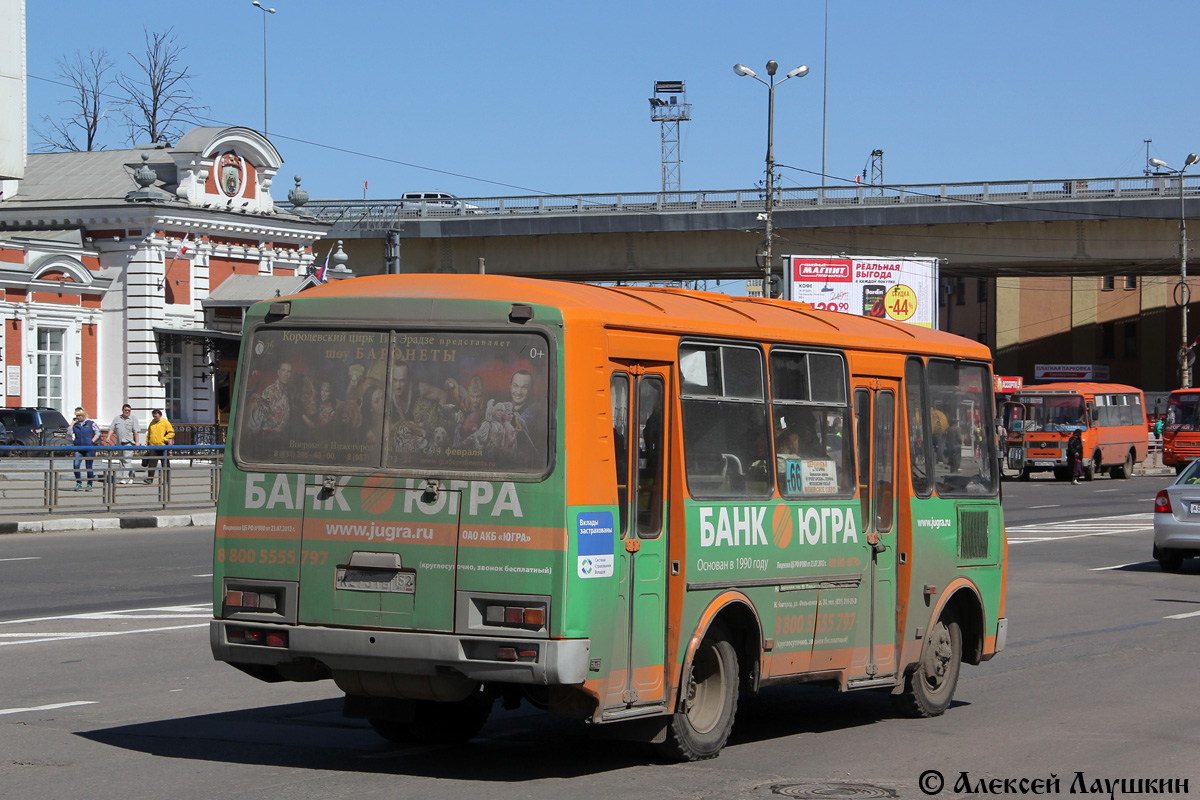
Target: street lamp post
x=744 y=71
x=265 y=11
x=1184 y=294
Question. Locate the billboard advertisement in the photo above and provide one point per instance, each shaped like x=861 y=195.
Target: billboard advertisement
x=901 y=289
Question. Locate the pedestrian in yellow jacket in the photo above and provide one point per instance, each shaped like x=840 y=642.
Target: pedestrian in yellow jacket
x=159 y=436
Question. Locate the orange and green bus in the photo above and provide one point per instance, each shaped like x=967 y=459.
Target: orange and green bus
x=625 y=505
x=1110 y=417
x=1181 y=429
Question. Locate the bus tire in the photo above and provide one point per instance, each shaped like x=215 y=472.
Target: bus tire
x=1026 y=474
x=1179 y=468
x=708 y=702
x=929 y=688
x=1095 y=468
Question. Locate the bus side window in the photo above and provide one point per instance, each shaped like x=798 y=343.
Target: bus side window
x=619 y=391
x=918 y=439
x=650 y=460
x=862 y=434
x=885 y=445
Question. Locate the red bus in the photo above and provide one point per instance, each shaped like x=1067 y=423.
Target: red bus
x=1181 y=431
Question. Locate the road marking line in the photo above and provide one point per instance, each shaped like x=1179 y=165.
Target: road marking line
x=1183 y=616
x=23 y=558
x=1098 y=491
x=1099 y=569
x=176 y=610
x=34 y=638
x=204 y=575
x=50 y=707
x=1026 y=540
x=1031 y=508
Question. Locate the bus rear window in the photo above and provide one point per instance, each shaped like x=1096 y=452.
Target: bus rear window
x=433 y=402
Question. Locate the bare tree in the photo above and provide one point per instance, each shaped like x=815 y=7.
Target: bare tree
x=88 y=79
x=157 y=100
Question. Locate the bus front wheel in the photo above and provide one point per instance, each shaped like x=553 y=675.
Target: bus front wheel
x=1095 y=468
x=929 y=688
x=708 y=702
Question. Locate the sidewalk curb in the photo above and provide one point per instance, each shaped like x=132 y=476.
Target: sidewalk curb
x=57 y=524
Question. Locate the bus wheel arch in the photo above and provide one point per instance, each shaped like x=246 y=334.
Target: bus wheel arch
x=964 y=605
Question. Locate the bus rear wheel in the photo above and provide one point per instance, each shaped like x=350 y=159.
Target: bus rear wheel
x=701 y=725
x=1124 y=470
x=929 y=688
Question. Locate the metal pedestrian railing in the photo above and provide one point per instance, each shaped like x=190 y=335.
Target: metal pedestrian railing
x=50 y=483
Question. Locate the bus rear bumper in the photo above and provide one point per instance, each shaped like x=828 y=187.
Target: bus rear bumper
x=545 y=662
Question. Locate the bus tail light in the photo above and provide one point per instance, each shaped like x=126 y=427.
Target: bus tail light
x=522 y=653
x=257 y=636
x=514 y=616
x=237 y=600
x=1162 y=503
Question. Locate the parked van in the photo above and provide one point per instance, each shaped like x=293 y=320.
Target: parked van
x=434 y=201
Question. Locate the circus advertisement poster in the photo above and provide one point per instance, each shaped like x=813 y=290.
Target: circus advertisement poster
x=430 y=401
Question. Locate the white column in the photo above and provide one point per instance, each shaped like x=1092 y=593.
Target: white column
x=144 y=307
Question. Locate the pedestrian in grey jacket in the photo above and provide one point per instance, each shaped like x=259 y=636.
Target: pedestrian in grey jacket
x=125 y=426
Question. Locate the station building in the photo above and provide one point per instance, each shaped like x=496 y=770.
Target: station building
x=124 y=274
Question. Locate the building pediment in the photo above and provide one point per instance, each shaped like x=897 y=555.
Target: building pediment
x=61 y=269
x=226 y=168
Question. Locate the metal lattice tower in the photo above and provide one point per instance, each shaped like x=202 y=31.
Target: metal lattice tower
x=669 y=106
x=877 y=170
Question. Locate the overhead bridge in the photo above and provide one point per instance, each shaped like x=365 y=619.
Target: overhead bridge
x=1092 y=226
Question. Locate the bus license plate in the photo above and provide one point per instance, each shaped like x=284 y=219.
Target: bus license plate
x=376 y=580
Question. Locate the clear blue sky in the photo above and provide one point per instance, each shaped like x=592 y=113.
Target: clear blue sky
x=492 y=98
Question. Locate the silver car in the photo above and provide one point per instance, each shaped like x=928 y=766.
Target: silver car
x=1177 y=520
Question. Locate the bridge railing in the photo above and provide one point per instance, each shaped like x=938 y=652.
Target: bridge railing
x=379 y=214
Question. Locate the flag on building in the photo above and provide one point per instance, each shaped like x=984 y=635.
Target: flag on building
x=185 y=247
x=325 y=266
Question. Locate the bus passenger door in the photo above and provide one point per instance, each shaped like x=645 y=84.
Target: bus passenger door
x=640 y=410
x=875 y=403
